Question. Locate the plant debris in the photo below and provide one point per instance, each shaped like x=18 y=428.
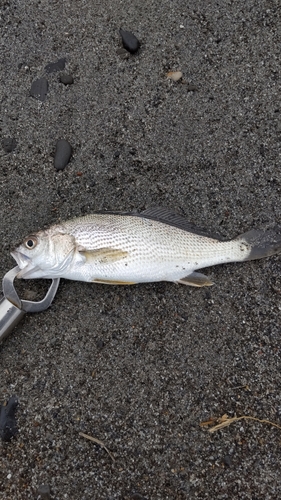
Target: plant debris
x=225 y=421
x=97 y=441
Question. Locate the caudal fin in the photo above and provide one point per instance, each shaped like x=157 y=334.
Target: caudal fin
x=261 y=243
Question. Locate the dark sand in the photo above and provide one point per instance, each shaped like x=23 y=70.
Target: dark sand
x=140 y=367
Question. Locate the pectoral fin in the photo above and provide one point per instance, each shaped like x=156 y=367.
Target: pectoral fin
x=196 y=279
x=104 y=255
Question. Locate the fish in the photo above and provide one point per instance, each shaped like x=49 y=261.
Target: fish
x=121 y=248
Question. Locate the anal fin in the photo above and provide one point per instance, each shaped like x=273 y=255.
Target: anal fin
x=196 y=279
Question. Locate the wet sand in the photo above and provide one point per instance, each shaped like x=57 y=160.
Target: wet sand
x=140 y=367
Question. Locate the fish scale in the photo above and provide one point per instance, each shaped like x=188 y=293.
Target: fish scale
x=115 y=248
x=153 y=248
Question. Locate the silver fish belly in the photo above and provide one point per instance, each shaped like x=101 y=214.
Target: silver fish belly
x=115 y=248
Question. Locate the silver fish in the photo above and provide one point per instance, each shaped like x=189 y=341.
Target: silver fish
x=127 y=248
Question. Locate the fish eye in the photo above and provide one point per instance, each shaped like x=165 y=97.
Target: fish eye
x=31 y=242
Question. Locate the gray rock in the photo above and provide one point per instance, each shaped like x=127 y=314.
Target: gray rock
x=39 y=89
x=191 y=88
x=123 y=53
x=9 y=144
x=55 y=66
x=227 y=461
x=130 y=41
x=8 y=425
x=44 y=492
x=63 y=154
x=66 y=79
x=100 y=344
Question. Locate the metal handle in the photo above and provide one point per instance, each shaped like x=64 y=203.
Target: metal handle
x=10 y=315
x=12 y=308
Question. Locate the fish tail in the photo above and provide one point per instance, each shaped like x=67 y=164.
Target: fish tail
x=258 y=244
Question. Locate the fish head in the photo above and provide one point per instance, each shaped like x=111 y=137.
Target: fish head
x=45 y=254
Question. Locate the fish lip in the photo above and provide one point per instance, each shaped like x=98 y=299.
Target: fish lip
x=27 y=269
x=21 y=259
x=28 y=272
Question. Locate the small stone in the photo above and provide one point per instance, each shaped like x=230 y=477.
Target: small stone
x=8 y=425
x=191 y=88
x=100 y=344
x=44 y=491
x=66 y=79
x=174 y=75
x=39 y=89
x=56 y=66
x=9 y=144
x=227 y=460
x=63 y=154
x=130 y=41
x=123 y=53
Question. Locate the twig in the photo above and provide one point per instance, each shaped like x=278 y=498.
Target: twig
x=225 y=421
x=97 y=441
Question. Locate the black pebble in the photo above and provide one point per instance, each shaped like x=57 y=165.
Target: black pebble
x=100 y=344
x=123 y=53
x=62 y=154
x=9 y=144
x=66 y=79
x=39 y=89
x=44 y=491
x=227 y=461
x=8 y=425
x=191 y=88
x=130 y=41
x=56 y=66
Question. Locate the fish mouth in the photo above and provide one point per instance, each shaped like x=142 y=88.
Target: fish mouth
x=21 y=259
x=27 y=269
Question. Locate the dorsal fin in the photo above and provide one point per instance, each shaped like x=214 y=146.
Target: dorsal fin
x=168 y=217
